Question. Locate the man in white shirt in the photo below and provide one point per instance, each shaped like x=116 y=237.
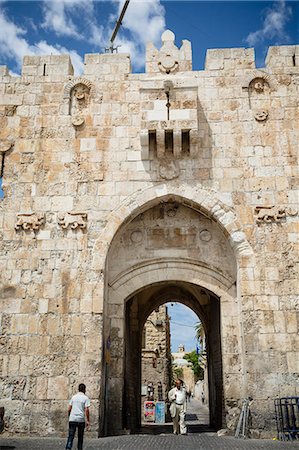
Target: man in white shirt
x=78 y=410
x=178 y=399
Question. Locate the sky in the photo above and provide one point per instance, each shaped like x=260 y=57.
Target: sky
x=182 y=326
x=84 y=26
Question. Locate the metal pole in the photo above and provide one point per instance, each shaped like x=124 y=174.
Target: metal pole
x=117 y=25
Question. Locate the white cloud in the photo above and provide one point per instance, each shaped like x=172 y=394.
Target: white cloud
x=273 y=25
x=13 y=45
x=58 y=16
x=145 y=22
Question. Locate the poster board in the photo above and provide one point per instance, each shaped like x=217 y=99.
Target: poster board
x=160 y=412
x=149 y=410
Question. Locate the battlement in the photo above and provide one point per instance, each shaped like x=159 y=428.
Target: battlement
x=283 y=56
x=96 y=64
x=4 y=71
x=230 y=58
x=47 y=65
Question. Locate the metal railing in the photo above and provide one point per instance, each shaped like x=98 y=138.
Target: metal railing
x=287 y=418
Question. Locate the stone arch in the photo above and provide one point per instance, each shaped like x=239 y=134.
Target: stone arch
x=273 y=84
x=121 y=289
x=195 y=197
x=79 y=80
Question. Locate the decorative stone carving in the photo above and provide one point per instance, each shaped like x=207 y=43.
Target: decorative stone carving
x=78 y=92
x=76 y=82
x=259 y=81
x=136 y=236
x=73 y=220
x=10 y=110
x=269 y=214
x=79 y=99
x=261 y=115
x=77 y=121
x=29 y=221
x=5 y=146
x=167 y=61
x=205 y=235
x=259 y=85
x=172 y=210
x=169 y=169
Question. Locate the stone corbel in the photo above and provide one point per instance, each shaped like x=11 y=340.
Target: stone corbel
x=73 y=220
x=29 y=221
x=5 y=146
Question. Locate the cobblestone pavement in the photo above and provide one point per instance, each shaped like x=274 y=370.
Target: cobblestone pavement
x=157 y=437
x=198 y=441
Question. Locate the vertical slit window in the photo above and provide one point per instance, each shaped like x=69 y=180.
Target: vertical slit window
x=186 y=142
x=2 y=156
x=44 y=70
x=152 y=136
x=168 y=141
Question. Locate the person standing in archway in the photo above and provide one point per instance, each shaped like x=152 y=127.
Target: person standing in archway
x=178 y=398
x=78 y=411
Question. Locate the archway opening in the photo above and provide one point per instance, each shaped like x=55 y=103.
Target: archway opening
x=147 y=304
x=173 y=347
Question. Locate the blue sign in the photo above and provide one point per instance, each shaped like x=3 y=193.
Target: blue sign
x=160 y=412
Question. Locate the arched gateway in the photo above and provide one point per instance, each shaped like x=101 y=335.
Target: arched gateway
x=171 y=246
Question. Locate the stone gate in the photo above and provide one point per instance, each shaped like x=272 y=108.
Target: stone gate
x=123 y=191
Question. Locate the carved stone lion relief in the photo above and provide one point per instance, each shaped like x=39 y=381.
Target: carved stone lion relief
x=73 y=220
x=29 y=221
x=267 y=214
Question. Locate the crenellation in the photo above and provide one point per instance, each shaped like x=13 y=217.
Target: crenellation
x=47 y=66
x=108 y=67
x=230 y=59
x=281 y=57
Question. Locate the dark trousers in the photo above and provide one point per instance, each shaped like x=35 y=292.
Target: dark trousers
x=72 y=432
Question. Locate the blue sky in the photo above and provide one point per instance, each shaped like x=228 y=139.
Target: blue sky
x=84 y=26
x=182 y=323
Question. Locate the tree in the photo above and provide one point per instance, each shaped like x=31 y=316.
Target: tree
x=178 y=373
x=192 y=357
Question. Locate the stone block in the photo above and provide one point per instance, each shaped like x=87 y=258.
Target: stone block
x=58 y=388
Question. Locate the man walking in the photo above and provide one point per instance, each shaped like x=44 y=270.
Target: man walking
x=178 y=399
x=78 y=410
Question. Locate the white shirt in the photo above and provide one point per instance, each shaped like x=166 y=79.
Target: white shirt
x=180 y=396
x=78 y=403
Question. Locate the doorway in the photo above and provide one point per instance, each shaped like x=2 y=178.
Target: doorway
x=138 y=309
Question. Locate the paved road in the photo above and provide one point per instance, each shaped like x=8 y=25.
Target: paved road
x=157 y=437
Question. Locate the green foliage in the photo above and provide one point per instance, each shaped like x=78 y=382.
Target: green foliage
x=177 y=373
x=192 y=357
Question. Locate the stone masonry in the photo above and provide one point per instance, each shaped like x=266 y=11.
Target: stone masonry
x=124 y=190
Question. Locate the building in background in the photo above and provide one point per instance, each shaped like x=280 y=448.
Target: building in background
x=156 y=356
x=181 y=368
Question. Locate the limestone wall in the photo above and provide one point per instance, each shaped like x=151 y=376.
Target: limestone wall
x=82 y=154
